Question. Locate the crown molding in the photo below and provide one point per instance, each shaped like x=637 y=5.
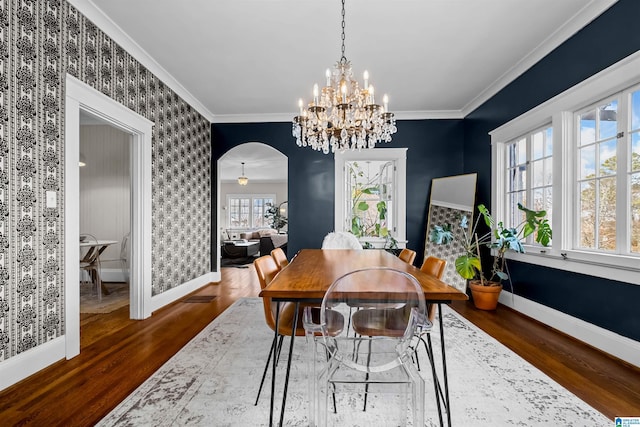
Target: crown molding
x=429 y=115
x=584 y=16
x=117 y=34
x=288 y=117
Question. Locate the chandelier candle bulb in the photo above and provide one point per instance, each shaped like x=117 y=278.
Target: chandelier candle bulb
x=372 y=99
x=366 y=79
x=328 y=74
x=315 y=94
x=343 y=89
x=385 y=100
x=300 y=105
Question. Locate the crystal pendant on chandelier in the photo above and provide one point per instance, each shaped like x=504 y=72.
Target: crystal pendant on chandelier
x=343 y=115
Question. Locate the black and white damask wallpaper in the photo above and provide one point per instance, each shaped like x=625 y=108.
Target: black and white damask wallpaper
x=41 y=41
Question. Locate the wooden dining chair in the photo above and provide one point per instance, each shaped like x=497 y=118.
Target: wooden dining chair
x=407 y=255
x=280 y=258
x=435 y=267
x=267 y=269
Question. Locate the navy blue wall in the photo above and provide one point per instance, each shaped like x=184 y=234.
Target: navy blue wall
x=608 y=39
x=434 y=150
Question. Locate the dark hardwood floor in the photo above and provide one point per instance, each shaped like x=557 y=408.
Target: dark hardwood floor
x=118 y=354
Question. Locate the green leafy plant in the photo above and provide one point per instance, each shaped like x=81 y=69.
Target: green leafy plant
x=368 y=213
x=500 y=238
x=275 y=217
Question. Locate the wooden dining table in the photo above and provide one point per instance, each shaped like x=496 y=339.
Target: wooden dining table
x=312 y=271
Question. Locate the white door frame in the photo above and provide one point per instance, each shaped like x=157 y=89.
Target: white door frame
x=80 y=96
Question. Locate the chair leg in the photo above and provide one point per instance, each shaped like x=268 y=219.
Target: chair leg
x=366 y=378
x=266 y=367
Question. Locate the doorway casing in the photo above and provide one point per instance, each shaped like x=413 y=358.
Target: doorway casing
x=80 y=96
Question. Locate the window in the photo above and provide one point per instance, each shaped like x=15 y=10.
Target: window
x=369 y=188
x=247 y=210
x=577 y=156
x=529 y=175
x=370 y=194
x=596 y=145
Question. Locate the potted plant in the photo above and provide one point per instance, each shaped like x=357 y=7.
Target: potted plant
x=486 y=288
x=275 y=216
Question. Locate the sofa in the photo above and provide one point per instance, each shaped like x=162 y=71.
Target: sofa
x=269 y=239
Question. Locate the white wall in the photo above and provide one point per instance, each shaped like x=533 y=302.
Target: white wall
x=105 y=186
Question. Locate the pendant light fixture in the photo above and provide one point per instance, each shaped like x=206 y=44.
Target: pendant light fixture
x=243 y=180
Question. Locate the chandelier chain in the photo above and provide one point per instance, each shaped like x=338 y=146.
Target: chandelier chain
x=344 y=58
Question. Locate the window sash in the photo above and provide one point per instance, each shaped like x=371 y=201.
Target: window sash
x=529 y=176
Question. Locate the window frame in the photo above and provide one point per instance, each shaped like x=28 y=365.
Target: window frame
x=399 y=157
x=251 y=197
x=561 y=111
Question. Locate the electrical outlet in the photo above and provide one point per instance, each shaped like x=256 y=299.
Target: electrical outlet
x=51 y=199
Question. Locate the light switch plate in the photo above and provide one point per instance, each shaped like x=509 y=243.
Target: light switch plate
x=51 y=199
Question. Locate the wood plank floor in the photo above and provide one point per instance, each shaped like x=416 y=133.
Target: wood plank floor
x=118 y=354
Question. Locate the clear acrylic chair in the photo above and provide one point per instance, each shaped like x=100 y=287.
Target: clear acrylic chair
x=372 y=355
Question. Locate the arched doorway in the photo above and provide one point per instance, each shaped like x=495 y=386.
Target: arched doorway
x=242 y=207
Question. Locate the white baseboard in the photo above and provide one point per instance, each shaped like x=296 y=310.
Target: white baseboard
x=167 y=297
x=31 y=361
x=621 y=347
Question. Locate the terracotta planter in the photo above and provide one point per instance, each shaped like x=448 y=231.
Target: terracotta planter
x=485 y=297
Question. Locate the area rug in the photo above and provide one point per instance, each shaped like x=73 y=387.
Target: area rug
x=118 y=297
x=214 y=379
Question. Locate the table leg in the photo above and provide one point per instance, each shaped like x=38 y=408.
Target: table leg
x=436 y=382
x=273 y=376
x=286 y=379
x=444 y=367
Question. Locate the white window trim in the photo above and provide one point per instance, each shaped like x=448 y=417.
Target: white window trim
x=559 y=111
x=249 y=196
x=399 y=155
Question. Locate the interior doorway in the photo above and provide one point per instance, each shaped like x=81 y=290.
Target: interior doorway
x=81 y=97
x=105 y=217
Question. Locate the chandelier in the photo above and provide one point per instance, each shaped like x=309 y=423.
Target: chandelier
x=343 y=115
x=243 y=180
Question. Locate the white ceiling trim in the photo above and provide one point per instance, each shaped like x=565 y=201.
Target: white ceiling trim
x=588 y=13
x=288 y=117
x=111 y=29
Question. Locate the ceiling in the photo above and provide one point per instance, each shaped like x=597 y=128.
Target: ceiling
x=251 y=60
x=262 y=164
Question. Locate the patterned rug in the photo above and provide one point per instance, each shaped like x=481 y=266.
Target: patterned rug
x=214 y=379
x=118 y=297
